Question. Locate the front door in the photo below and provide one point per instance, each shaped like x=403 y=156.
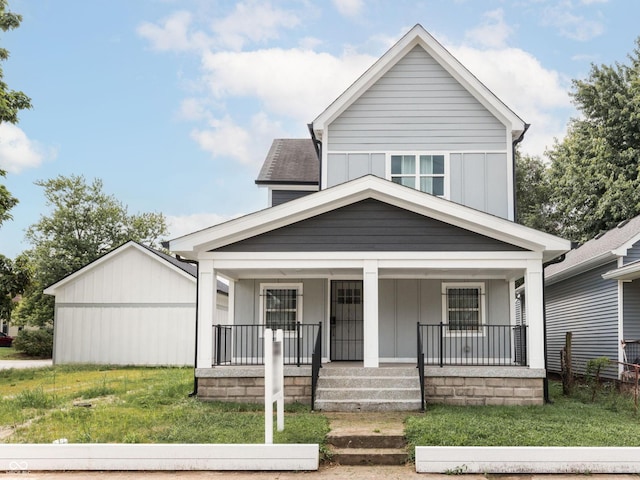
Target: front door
x=346 y=320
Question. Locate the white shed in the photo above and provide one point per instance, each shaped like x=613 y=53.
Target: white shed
x=132 y=306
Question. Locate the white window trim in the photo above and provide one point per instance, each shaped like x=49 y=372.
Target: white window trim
x=417 y=153
x=445 y=308
x=299 y=305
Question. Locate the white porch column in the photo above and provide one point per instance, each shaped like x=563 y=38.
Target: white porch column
x=533 y=294
x=207 y=312
x=370 y=313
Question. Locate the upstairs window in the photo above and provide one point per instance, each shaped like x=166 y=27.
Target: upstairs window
x=422 y=172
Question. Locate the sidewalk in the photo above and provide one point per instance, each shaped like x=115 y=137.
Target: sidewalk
x=6 y=364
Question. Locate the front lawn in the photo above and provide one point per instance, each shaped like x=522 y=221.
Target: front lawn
x=609 y=421
x=133 y=405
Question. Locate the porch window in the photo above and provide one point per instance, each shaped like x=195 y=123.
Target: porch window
x=420 y=171
x=463 y=307
x=281 y=306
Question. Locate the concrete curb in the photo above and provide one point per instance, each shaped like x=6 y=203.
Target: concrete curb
x=574 y=460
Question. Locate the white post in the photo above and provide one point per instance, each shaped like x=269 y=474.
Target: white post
x=273 y=382
x=207 y=296
x=533 y=294
x=370 y=313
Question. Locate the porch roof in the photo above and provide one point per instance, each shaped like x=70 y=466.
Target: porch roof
x=199 y=245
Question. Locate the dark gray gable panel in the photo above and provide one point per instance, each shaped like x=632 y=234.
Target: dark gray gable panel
x=283 y=196
x=369 y=225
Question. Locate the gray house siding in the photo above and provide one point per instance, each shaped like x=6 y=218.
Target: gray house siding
x=349 y=166
x=405 y=302
x=369 y=225
x=416 y=105
x=283 y=196
x=586 y=305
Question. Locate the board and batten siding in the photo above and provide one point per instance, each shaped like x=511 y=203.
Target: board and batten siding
x=587 y=305
x=131 y=309
x=368 y=225
x=405 y=302
x=416 y=105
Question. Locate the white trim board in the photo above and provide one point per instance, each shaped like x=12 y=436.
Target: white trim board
x=100 y=456
x=584 y=460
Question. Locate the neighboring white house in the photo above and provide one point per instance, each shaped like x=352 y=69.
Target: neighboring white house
x=132 y=306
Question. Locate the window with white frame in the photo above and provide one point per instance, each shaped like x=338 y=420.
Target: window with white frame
x=281 y=305
x=423 y=172
x=463 y=307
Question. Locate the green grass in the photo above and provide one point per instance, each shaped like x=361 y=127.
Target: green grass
x=575 y=421
x=10 y=353
x=86 y=404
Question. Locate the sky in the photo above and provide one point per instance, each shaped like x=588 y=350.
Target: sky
x=174 y=104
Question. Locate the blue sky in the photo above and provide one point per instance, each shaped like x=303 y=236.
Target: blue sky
x=174 y=104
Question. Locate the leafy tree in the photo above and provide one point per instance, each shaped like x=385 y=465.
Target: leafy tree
x=11 y=102
x=532 y=193
x=595 y=169
x=14 y=279
x=84 y=224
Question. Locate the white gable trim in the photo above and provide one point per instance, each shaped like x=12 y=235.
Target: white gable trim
x=51 y=290
x=419 y=36
x=627 y=273
x=190 y=246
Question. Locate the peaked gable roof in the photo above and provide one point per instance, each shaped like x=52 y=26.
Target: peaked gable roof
x=364 y=188
x=419 y=36
x=601 y=249
x=290 y=161
x=183 y=268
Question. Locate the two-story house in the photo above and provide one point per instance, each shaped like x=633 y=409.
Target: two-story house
x=389 y=240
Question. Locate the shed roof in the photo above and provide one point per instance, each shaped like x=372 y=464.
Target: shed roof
x=290 y=161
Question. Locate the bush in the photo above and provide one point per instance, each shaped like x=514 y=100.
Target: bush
x=35 y=343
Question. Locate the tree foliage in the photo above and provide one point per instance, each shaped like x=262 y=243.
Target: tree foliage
x=11 y=102
x=533 y=190
x=14 y=279
x=595 y=168
x=84 y=224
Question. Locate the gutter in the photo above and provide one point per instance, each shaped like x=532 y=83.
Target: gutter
x=195 y=355
x=513 y=153
x=317 y=144
x=545 y=381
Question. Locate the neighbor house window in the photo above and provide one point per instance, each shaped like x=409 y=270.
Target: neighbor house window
x=422 y=172
x=281 y=305
x=463 y=307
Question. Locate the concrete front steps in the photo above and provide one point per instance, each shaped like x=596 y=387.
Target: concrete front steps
x=358 y=389
x=368 y=449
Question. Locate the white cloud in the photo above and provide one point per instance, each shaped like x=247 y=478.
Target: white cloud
x=570 y=25
x=538 y=95
x=297 y=83
x=349 y=8
x=180 y=225
x=225 y=138
x=493 y=32
x=255 y=21
x=174 y=34
x=17 y=152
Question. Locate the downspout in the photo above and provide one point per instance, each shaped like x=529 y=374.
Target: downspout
x=513 y=153
x=195 y=355
x=317 y=144
x=545 y=383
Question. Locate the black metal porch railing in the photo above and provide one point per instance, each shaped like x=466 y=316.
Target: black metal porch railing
x=421 y=367
x=244 y=344
x=485 y=345
x=316 y=365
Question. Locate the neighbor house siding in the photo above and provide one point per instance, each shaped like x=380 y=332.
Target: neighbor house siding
x=416 y=105
x=368 y=225
x=405 y=302
x=586 y=305
x=633 y=254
